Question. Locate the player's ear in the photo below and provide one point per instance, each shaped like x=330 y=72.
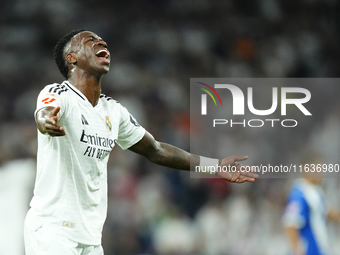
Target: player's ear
x=71 y=58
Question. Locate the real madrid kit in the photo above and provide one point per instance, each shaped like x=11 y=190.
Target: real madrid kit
x=70 y=194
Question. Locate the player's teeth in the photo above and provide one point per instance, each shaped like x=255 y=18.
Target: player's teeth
x=100 y=51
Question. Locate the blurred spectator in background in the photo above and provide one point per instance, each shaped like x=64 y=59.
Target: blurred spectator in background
x=306 y=213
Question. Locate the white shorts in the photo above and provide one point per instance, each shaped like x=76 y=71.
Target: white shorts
x=45 y=241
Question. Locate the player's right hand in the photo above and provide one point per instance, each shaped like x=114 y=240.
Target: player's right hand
x=47 y=122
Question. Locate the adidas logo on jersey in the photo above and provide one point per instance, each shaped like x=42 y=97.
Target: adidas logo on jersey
x=83 y=120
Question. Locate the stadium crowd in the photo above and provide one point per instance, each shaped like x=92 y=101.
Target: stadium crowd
x=156 y=47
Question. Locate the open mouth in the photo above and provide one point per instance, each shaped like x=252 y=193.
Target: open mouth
x=103 y=54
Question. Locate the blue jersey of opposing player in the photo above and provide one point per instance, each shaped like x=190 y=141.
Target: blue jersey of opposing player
x=306 y=211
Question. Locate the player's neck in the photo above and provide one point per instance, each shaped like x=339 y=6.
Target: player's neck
x=90 y=86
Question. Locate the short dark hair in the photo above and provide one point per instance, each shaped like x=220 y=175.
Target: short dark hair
x=58 y=51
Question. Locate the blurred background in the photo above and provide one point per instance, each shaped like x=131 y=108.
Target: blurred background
x=156 y=47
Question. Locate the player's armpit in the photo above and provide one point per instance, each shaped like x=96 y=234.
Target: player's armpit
x=47 y=121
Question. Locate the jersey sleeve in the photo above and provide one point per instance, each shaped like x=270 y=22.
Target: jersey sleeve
x=296 y=211
x=130 y=132
x=51 y=95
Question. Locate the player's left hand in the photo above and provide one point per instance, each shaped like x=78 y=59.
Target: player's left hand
x=233 y=171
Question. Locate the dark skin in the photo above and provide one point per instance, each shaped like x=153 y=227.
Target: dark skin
x=86 y=70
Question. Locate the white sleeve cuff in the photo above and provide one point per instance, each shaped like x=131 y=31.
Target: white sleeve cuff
x=207 y=165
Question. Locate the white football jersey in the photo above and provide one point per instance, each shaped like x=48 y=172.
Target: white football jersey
x=71 y=183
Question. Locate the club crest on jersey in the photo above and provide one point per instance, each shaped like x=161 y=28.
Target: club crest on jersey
x=108 y=123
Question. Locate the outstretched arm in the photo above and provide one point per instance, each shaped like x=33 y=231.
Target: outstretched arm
x=47 y=121
x=167 y=155
x=294 y=238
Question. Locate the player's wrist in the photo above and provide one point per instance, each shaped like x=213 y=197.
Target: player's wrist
x=207 y=165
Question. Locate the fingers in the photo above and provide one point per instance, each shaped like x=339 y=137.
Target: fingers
x=50 y=121
x=248 y=171
x=242 y=180
x=51 y=126
x=55 y=111
x=55 y=130
x=234 y=171
x=54 y=115
x=245 y=177
x=240 y=158
x=56 y=133
x=255 y=176
x=250 y=175
x=240 y=174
